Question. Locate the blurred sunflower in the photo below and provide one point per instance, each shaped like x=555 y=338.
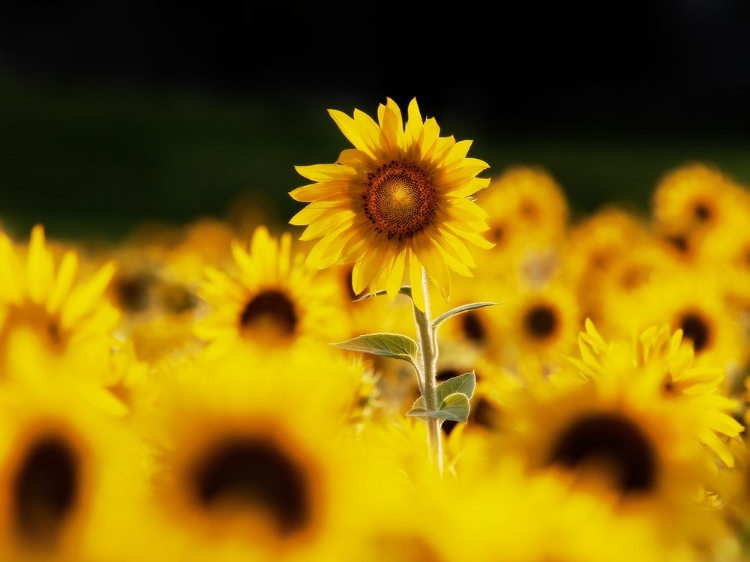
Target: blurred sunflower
x=670 y=360
x=648 y=260
x=695 y=199
x=542 y=323
x=621 y=439
x=252 y=466
x=70 y=318
x=527 y=209
x=72 y=478
x=593 y=247
x=271 y=301
x=396 y=204
x=695 y=301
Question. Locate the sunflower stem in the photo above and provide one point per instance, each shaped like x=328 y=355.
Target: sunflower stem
x=428 y=351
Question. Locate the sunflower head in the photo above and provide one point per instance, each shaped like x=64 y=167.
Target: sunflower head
x=41 y=296
x=395 y=204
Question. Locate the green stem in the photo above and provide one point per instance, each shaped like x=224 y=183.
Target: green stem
x=429 y=354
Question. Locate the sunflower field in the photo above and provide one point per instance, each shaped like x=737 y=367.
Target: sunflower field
x=427 y=362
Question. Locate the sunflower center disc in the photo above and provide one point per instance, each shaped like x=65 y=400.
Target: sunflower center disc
x=399 y=199
x=269 y=310
x=254 y=472
x=45 y=491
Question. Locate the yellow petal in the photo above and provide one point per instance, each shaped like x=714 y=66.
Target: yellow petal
x=434 y=262
x=396 y=274
x=39 y=266
x=86 y=296
x=415 y=275
x=64 y=282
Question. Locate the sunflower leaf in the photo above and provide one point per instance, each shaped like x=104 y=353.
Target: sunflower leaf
x=420 y=413
x=397 y=346
x=405 y=290
x=458 y=310
x=455 y=407
x=462 y=384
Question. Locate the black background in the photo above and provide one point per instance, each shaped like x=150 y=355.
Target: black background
x=608 y=96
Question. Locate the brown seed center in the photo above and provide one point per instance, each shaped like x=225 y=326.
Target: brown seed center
x=610 y=441
x=269 y=310
x=399 y=199
x=540 y=321
x=695 y=328
x=45 y=491
x=255 y=473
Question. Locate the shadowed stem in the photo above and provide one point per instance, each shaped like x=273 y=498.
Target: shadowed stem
x=428 y=350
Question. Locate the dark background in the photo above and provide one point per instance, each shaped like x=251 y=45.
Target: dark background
x=119 y=113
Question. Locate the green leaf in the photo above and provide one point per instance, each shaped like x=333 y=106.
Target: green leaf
x=458 y=310
x=385 y=344
x=455 y=407
x=405 y=290
x=462 y=384
x=420 y=413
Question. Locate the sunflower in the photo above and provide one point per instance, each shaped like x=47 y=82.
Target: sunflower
x=665 y=353
x=540 y=323
x=648 y=260
x=620 y=438
x=271 y=300
x=72 y=477
x=397 y=203
x=70 y=318
x=253 y=467
x=527 y=209
x=696 y=301
x=594 y=246
x=695 y=199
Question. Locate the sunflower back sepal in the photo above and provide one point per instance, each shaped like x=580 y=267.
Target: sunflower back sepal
x=455 y=407
x=384 y=344
x=458 y=310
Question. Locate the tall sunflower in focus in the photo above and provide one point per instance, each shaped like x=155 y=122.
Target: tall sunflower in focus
x=396 y=204
x=271 y=300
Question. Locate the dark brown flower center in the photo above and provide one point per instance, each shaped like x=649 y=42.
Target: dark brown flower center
x=696 y=329
x=702 y=211
x=256 y=473
x=45 y=490
x=611 y=441
x=132 y=292
x=540 y=321
x=270 y=309
x=399 y=199
x=473 y=327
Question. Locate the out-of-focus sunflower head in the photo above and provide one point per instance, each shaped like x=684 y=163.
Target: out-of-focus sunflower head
x=257 y=464
x=72 y=478
x=695 y=199
x=47 y=301
x=526 y=206
x=268 y=298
